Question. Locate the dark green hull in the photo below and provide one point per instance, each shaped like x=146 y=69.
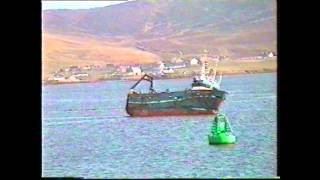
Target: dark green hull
x=175 y=103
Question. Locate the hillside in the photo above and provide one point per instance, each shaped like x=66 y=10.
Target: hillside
x=146 y=18
x=61 y=51
x=145 y=31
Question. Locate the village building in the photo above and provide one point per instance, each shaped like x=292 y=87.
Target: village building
x=165 y=69
x=81 y=76
x=168 y=71
x=72 y=78
x=56 y=77
x=162 y=66
x=176 y=65
x=136 y=71
x=74 y=69
x=63 y=79
x=194 y=62
x=176 y=60
x=150 y=68
x=110 y=68
x=123 y=69
x=86 y=68
x=270 y=54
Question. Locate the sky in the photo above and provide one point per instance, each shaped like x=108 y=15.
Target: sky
x=77 y=4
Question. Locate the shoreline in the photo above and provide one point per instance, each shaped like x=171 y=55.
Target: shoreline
x=247 y=72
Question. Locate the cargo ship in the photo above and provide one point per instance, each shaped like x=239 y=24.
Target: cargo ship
x=204 y=97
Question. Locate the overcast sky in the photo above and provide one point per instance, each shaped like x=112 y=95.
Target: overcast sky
x=77 y=4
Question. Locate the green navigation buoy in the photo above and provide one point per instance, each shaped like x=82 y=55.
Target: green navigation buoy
x=221 y=132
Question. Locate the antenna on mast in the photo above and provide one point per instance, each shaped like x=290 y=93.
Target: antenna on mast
x=220 y=78
x=215 y=70
x=204 y=64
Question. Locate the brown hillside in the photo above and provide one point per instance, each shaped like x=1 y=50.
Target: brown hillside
x=60 y=51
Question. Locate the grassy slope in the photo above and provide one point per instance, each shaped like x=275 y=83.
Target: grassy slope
x=61 y=51
x=238 y=66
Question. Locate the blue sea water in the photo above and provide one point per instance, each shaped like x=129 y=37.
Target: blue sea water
x=87 y=133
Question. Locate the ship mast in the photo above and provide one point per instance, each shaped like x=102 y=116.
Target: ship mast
x=204 y=65
x=220 y=74
x=215 y=70
x=204 y=71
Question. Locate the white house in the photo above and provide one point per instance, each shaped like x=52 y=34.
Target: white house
x=136 y=71
x=270 y=54
x=86 y=68
x=162 y=66
x=81 y=75
x=194 y=61
x=72 y=78
x=168 y=71
x=178 y=66
x=56 y=79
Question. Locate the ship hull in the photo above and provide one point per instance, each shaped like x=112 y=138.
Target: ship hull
x=173 y=104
